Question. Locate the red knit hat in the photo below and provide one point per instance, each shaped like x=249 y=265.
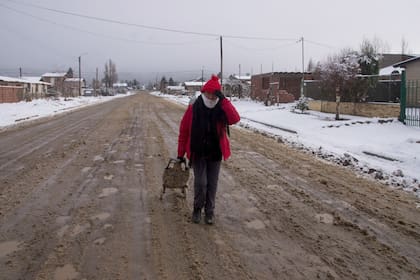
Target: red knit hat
x=212 y=85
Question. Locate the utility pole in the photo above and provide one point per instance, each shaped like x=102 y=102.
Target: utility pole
x=202 y=75
x=96 y=81
x=20 y=72
x=221 y=61
x=80 y=73
x=303 y=65
x=239 y=76
x=261 y=69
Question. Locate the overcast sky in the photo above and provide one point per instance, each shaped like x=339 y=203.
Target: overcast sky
x=40 y=40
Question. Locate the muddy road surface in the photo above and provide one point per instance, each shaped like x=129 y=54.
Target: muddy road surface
x=79 y=199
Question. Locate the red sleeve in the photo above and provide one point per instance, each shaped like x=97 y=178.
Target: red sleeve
x=184 y=131
x=230 y=111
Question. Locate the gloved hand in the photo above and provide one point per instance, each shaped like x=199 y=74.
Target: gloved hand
x=219 y=94
x=181 y=159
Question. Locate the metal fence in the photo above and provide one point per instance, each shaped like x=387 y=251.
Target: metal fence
x=410 y=101
x=385 y=89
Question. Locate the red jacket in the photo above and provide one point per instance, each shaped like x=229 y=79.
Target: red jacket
x=184 y=138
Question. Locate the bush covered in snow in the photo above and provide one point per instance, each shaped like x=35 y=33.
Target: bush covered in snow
x=301 y=104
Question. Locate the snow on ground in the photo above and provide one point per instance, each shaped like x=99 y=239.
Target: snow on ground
x=15 y=113
x=384 y=149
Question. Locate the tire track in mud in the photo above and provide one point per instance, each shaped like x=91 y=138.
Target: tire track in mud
x=51 y=148
x=115 y=244
x=52 y=246
x=280 y=214
x=198 y=255
x=307 y=194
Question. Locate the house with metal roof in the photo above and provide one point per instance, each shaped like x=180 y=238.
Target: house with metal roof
x=412 y=68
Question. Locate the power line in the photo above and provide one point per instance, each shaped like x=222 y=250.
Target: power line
x=261 y=49
x=98 y=34
x=148 y=26
x=320 y=44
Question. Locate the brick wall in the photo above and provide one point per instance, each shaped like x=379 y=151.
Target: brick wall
x=10 y=94
x=391 y=110
x=277 y=81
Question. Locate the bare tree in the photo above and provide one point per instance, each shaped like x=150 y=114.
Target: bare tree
x=110 y=74
x=311 y=66
x=404 y=46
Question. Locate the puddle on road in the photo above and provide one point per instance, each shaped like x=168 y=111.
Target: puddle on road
x=86 y=169
x=62 y=231
x=219 y=241
x=324 y=218
x=99 y=241
x=79 y=229
x=226 y=195
x=256 y=224
x=107 y=192
x=134 y=190
x=61 y=220
x=108 y=177
x=108 y=226
x=66 y=272
x=239 y=195
x=251 y=210
x=273 y=187
x=101 y=216
x=98 y=158
x=8 y=247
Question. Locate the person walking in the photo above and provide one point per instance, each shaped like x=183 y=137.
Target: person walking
x=203 y=138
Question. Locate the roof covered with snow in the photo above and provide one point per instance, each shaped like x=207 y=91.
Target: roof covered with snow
x=243 y=77
x=120 y=85
x=390 y=70
x=35 y=80
x=403 y=63
x=193 y=84
x=175 y=87
x=74 y=79
x=54 y=74
x=13 y=80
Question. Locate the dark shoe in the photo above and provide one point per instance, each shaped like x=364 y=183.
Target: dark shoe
x=196 y=216
x=209 y=219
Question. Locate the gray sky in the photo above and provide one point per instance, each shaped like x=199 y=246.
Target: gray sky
x=40 y=40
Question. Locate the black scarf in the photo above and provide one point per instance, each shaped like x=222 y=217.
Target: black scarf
x=205 y=137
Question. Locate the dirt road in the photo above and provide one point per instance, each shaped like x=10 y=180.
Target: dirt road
x=79 y=199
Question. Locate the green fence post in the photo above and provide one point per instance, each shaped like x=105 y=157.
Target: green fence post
x=403 y=96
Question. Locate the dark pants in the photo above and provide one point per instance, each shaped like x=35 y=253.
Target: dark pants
x=206 y=175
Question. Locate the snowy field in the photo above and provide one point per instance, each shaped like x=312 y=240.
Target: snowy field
x=16 y=113
x=384 y=149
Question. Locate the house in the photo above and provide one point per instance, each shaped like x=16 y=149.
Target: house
x=73 y=86
x=412 y=68
x=56 y=80
x=120 y=87
x=193 y=86
x=243 y=78
x=389 y=59
x=235 y=85
x=36 y=87
x=12 y=89
x=277 y=87
x=175 y=89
